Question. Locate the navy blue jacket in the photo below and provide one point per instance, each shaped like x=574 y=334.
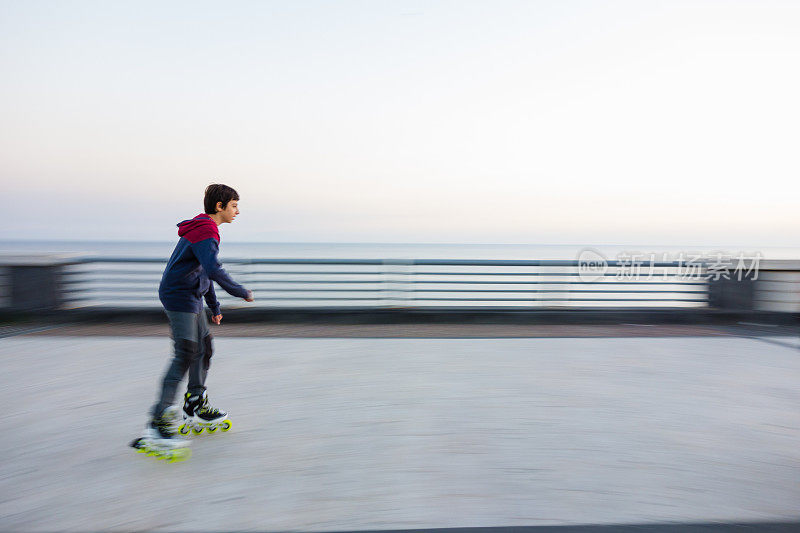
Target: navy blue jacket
x=192 y=266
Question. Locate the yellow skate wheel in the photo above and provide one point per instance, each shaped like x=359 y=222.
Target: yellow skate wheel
x=184 y=429
x=197 y=431
x=225 y=426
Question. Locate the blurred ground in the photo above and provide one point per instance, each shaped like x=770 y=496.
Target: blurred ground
x=388 y=433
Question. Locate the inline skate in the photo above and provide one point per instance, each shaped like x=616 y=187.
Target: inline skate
x=159 y=439
x=198 y=415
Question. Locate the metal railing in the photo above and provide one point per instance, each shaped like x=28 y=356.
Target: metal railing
x=374 y=283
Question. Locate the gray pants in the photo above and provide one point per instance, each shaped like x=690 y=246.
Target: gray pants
x=192 y=343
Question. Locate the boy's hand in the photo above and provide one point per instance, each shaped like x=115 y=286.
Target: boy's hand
x=216 y=319
x=249 y=296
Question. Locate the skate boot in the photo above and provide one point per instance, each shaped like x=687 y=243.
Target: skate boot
x=159 y=439
x=173 y=415
x=199 y=415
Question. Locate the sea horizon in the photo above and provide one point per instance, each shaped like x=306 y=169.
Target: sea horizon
x=381 y=250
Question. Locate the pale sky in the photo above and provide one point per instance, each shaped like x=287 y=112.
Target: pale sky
x=554 y=122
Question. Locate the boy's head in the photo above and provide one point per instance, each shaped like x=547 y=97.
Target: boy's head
x=222 y=201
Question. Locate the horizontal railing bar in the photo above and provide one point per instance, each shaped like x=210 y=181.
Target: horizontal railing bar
x=409 y=279
x=533 y=274
x=400 y=289
x=622 y=279
x=318 y=282
x=543 y=262
x=559 y=290
x=152 y=291
x=538 y=282
x=400 y=262
x=85 y=260
x=155 y=273
x=315 y=272
x=558 y=300
x=155 y=301
x=468 y=282
x=401 y=280
x=458 y=291
x=412 y=279
x=383 y=297
x=105 y=279
x=95 y=290
x=422 y=273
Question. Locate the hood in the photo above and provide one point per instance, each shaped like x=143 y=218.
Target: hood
x=199 y=228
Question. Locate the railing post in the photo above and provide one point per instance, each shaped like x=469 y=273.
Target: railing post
x=732 y=294
x=34 y=283
x=396 y=281
x=537 y=298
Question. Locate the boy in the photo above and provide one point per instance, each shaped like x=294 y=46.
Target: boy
x=188 y=278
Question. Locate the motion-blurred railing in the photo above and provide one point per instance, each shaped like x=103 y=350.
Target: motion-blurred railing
x=107 y=282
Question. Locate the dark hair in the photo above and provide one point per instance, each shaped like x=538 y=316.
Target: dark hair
x=216 y=192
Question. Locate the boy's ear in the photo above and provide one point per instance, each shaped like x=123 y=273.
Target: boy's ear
x=219 y=207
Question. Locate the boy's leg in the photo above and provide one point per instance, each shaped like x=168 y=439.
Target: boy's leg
x=198 y=371
x=185 y=339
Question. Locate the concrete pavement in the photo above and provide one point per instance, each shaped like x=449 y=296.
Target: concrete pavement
x=344 y=434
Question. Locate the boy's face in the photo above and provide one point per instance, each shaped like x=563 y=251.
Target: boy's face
x=230 y=211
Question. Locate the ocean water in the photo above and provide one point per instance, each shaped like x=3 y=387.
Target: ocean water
x=253 y=250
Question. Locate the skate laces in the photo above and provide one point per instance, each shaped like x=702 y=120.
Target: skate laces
x=206 y=409
x=164 y=425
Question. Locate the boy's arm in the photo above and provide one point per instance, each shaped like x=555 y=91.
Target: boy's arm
x=211 y=300
x=206 y=252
